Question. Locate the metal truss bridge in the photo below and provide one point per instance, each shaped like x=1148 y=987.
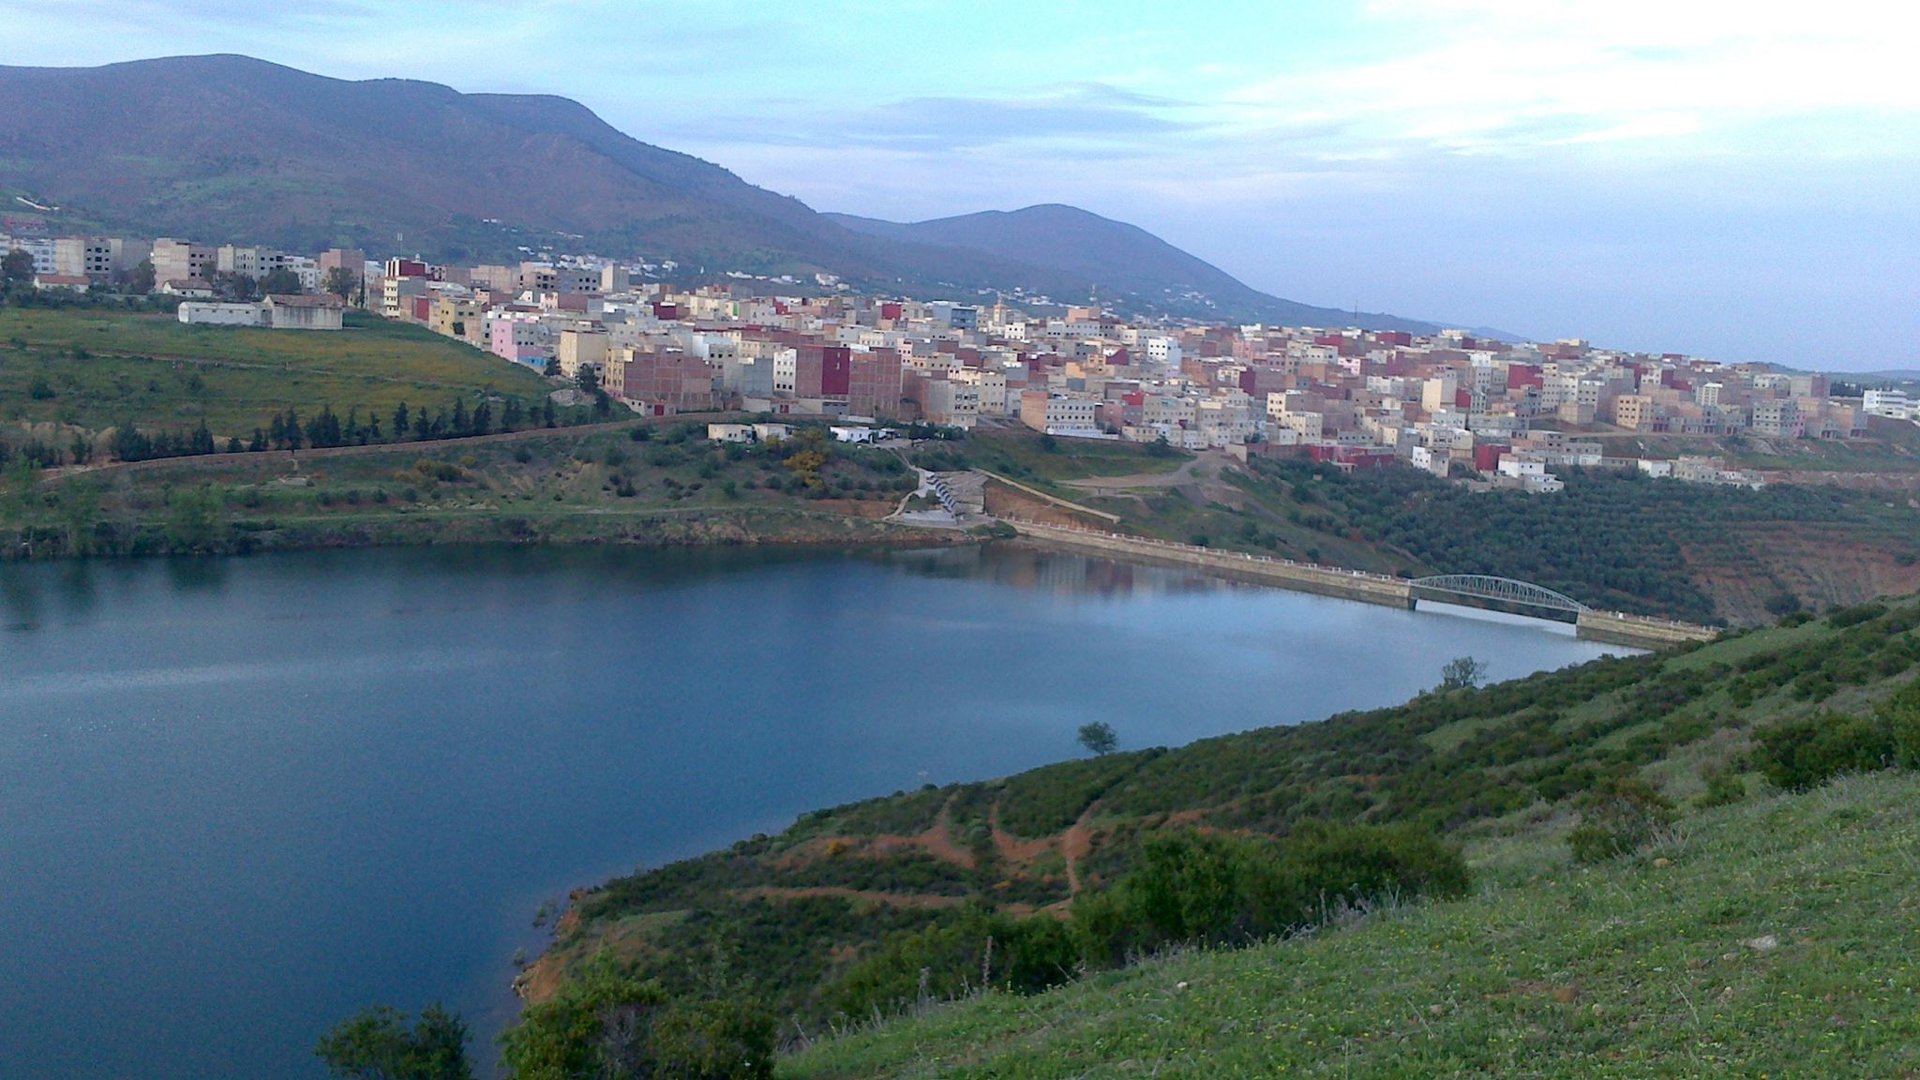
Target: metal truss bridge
x=1499 y=590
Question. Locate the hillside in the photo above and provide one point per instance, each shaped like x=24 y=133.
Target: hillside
x=823 y=912
x=1759 y=941
x=92 y=368
x=305 y=162
x=1124 y=262
x=1614 y=540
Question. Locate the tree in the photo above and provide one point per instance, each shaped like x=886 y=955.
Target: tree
x=235 y=286
x=553 y=367
x=401 y=422
x=141 y=280
x=607 y=1023
x=1099 y=738
x=341 y=282
x=16 y=268
x=280 y=282
x=193 y=520
x=1462 y=673
x=379 y=1045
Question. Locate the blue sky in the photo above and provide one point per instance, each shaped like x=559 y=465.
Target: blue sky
x=1739 y=181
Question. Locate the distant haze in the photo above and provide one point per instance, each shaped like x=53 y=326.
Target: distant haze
x=1733 y=182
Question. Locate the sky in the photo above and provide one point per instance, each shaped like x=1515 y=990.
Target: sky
x=1733 y=180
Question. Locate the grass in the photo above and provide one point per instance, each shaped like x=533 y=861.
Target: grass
x=106 y=366
x=1774 y=941
x=1022 y=454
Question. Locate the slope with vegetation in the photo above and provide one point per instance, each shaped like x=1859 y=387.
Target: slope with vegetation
x=631 y=481
x=81 y=370
x=1614 y=540
x=1564 y=789
x=1760 y=939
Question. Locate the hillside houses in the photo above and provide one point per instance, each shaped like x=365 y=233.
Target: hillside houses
x=1452 y=403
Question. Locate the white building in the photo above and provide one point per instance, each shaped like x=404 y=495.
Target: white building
x=210 y=313
x=1893 y=403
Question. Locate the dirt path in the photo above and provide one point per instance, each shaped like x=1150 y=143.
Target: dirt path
x=1077 y=844
x=905 y=900
x=1187 y=473
x=938 y=840
x=1012 y=848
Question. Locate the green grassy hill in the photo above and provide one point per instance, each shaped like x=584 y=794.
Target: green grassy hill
x=93 y=368
x=1771 y=938
x=822 y=914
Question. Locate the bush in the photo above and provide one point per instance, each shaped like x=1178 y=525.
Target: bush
x=1617 y=817
x=980 y=950
x=1195 y=888
x=610 y=1023
x=1801 y=754
x=1724 y=787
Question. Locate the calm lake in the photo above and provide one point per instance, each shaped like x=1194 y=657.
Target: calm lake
x=241 y=799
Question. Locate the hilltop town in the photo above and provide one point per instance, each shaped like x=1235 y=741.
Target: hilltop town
x=1452 y=404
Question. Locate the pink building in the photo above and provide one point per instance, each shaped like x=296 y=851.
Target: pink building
x=518 y=339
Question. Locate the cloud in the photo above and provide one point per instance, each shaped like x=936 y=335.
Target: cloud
x=1509 y=76
x=1091 y=115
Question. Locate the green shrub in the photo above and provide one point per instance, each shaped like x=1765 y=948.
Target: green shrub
x=610 y=1023
x=1902 y=716
x=980 y=950
x=723 y=1037
x=1617 y=817
x=1724 y=787
x=1800 y=754
x=1213 y=889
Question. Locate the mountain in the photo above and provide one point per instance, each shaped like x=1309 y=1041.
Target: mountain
x=233 y=149
x=1123 y=262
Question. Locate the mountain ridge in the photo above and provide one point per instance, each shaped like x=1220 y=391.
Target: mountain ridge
x=306 y=161
x=1113 y=256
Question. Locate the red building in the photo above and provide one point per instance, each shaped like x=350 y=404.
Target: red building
x=874 y=384
x=671 y=382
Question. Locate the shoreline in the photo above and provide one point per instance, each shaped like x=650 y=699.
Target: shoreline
x=694 y=527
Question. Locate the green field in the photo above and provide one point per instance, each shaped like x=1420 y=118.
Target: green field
x=1022 y=454
x=96 y=367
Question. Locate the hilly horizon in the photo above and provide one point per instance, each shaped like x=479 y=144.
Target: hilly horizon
x=305 y=162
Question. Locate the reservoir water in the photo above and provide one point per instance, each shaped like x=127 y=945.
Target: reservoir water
x=241 y=799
